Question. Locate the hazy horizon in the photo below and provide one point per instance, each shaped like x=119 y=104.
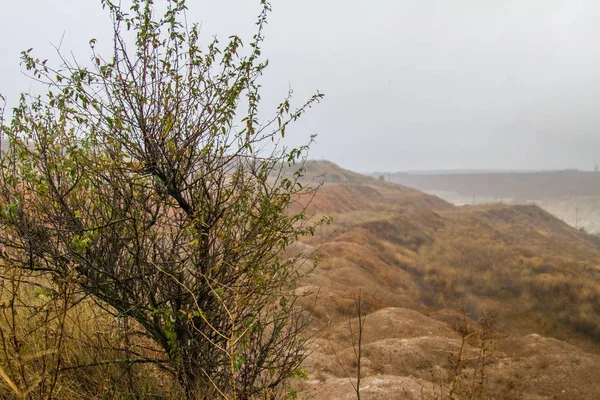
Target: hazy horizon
x=428 y=85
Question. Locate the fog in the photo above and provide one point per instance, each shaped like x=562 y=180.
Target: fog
x=409 y=85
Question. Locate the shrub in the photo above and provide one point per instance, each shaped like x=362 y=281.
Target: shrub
x=132 y=179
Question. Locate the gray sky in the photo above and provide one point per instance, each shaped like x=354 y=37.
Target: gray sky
x=409 y=84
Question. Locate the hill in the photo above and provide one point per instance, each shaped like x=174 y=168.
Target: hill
x=520 y=186
x=422 y=262
x=571 y=195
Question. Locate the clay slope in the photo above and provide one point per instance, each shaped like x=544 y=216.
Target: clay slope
x=421 y=262
x=406 y=355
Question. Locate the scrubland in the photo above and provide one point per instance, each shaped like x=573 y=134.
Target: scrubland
x=493 y=301
x=537 y=276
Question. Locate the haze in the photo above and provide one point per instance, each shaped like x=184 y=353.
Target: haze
x=425 y=85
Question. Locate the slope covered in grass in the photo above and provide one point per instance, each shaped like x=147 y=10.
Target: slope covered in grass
x=405 y=249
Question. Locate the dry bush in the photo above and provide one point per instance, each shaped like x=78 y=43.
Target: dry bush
x=463 y=373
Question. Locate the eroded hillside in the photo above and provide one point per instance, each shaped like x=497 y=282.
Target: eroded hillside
x=421 y=263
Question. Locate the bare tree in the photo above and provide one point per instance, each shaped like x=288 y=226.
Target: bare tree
x=147 y=179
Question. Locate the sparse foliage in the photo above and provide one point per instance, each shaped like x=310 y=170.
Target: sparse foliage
x=467 y=365
x=356 y=338
x=137 y=180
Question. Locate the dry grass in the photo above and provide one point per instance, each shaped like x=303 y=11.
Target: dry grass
x=545 y=284
x=403 y=249
x=533 y=271
x=54 y=343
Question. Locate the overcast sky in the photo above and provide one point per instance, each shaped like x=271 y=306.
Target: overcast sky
x=409 y=84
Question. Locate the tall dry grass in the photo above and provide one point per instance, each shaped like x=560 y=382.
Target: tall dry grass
x=55 y=343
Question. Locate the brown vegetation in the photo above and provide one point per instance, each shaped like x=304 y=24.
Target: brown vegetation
x=429 y=271
x=532 y=271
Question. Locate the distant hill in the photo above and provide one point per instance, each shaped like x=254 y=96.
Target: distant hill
x=326 y=171
x=519 y=186
x=421 y=261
